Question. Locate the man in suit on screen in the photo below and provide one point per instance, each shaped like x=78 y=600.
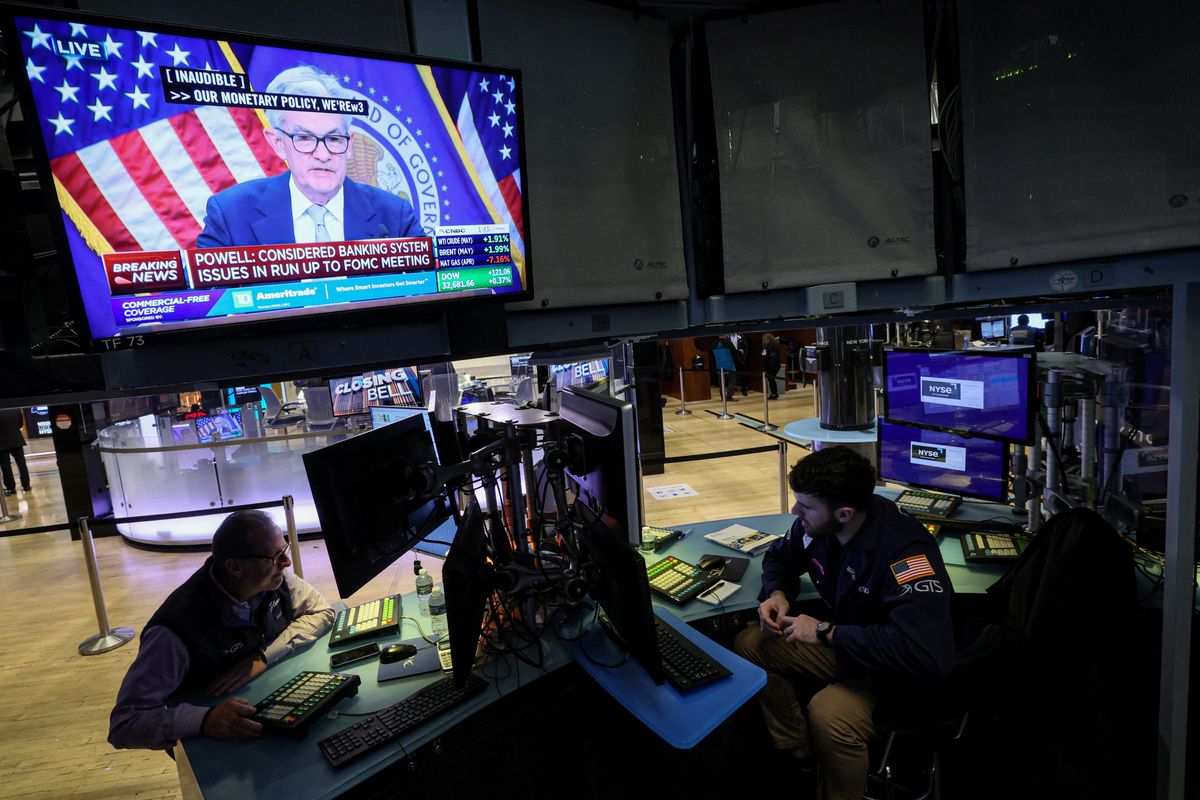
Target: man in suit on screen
x=314 y=201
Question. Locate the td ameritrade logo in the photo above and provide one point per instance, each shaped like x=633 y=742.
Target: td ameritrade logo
x=952 y=392
x=942 y=456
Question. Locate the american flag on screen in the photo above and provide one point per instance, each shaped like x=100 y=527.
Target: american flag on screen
x=484 y=111
x=912 y=568
x=131 y=170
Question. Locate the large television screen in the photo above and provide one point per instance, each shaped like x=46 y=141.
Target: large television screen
x=943 y=461
x=206 y=179
x=983 y=394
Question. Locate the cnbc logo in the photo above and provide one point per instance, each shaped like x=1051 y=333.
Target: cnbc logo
x=243 y=299
x=942 y=390
x=926 y=452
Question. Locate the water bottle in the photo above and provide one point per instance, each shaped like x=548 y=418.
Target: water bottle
x=437 y=612
x=424 y=589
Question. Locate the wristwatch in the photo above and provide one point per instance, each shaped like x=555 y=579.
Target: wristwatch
x=823 y=629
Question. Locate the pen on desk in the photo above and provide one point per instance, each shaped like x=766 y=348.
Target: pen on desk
x=712 y=589
x=666 y=540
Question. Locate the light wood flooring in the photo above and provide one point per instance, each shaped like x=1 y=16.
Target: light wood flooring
x=54 y=703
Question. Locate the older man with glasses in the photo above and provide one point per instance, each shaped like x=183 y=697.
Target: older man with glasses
x=314 y=201
x=238 y=614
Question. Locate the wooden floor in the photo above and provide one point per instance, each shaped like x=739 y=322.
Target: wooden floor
x=55 y=703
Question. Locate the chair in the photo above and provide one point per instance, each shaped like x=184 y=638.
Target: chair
x=919 y=724
x=320 y=409
x=278 y=415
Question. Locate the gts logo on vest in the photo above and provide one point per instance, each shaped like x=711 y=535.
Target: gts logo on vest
x=236 y=646
x=944 y=389
x=927 y=453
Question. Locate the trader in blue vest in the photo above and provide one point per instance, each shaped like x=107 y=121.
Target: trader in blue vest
x=234 y=617
x=885 y=623
x=314 y=201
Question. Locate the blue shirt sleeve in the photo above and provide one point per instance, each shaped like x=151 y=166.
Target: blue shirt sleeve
x=141 y=717
x=784 y=563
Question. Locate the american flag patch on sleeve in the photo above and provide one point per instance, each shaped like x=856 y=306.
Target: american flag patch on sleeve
x=912 y=568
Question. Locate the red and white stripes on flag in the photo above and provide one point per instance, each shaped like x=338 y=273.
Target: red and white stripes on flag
x=504 y=195
x=912 y=568
x=146 y=189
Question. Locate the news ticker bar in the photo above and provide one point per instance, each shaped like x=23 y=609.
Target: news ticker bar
x=219 y=302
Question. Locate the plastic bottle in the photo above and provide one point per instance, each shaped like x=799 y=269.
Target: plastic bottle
x=437 y=612
x=424 y=589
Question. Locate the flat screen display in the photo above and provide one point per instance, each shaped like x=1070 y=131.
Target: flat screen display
x=205 y=179
x=219 y=427
x=581 y=373
x=1035 y=320
x=990 y=395
x=394 y=386
x=992 y=329
x=943 y=461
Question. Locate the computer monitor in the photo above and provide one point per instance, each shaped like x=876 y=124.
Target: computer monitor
x=394 y=386
x=616 y=576
x=988 y=394
x=469 y=579
x=1035 y=320
x=946 y=462
x=219 y=427
x=367 y=500
x=603 y=457
x=993 y=328
x=242 y=395
x=586 y=374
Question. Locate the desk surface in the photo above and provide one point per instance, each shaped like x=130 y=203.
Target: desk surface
x=272 y=766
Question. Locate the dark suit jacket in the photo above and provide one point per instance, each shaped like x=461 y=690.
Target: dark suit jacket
x=10 y=429
x=260 y=212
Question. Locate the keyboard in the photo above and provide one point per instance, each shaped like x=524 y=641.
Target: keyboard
x=989 y=546
x=685 y=664
x=679 y=581
x=921 y=503
x=662 y=536
x=367 y=621
x=383 y=726
x=292 y=708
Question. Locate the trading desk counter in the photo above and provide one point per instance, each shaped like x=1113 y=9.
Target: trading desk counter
x=967 y=579
x=278 y=767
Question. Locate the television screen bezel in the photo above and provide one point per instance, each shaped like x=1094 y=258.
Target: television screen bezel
x=1031 y=398
x=333 y=317
x=1005 y=462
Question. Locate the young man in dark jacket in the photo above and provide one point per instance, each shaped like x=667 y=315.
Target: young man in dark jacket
x=886 y=618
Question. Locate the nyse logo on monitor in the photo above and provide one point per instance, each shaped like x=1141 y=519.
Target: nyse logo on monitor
x=952 y=392
x=942 y=456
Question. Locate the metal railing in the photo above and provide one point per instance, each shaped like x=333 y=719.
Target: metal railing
x=110 y=638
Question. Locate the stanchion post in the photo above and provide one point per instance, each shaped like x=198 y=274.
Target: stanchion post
x=724 y=398
x=4 y=515
x=783 y=478
x=289 y=513
x=108 y=638
x=766 y=426
x=682 y=412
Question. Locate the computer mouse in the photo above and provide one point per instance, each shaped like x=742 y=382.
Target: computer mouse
x=397 y=652
x=712 y=562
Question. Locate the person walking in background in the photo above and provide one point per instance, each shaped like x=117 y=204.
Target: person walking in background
x=12 y=444
x=770 y=364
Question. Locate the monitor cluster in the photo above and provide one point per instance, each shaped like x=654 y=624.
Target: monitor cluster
x=949 y=417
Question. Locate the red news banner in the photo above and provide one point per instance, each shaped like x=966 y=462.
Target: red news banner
x=225 y=267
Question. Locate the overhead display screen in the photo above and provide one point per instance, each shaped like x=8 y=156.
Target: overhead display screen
x=206 y=180
x=990 y=395
x=943 y=461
